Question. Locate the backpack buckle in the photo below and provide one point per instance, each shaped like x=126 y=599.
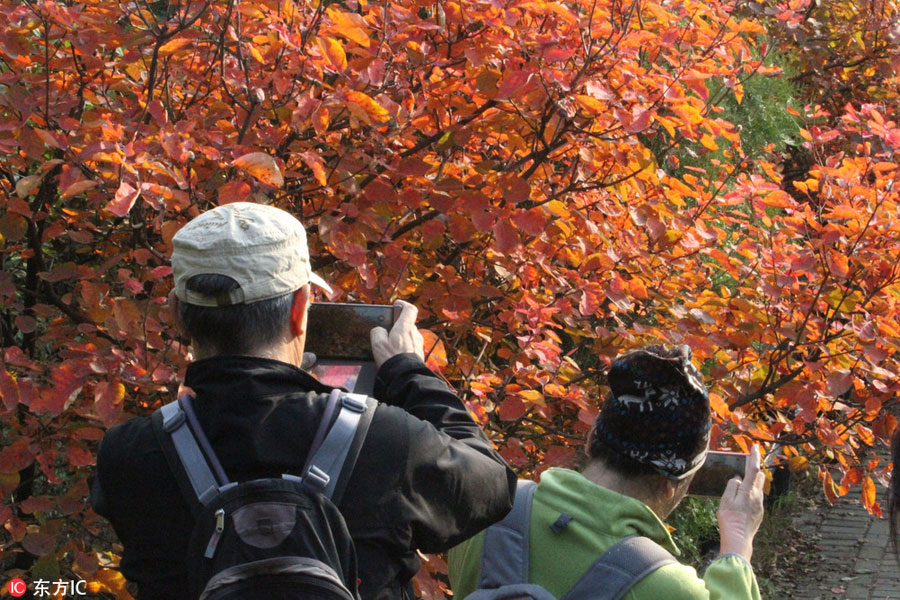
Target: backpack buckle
x=173 y=417
x=316 y=478
x=354 y=402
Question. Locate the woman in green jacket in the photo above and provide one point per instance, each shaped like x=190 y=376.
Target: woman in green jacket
x=650 y=438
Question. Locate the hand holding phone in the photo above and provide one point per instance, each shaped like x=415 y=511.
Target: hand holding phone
x=741 y=509
x=403 y=338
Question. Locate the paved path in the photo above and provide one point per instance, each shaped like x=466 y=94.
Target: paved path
x=856 y=561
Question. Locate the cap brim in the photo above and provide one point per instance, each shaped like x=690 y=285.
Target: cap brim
x=315 y=279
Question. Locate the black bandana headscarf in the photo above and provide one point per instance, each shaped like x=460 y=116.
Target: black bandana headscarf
x=657 y=412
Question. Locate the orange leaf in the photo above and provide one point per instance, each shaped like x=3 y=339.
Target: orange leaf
x=173 y=46
x=868 y=494
x=829 y=487
x=435 y=353
x=111 y=581
x=365 y=108
x=778 y=199
x=321 y=119
x=316 y=165
x=261 y=166
x=333 y=51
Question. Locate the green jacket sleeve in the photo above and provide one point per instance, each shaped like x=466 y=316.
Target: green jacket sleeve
x=463 y=565
x=729 y=577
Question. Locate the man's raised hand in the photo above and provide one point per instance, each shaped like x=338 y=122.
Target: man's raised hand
x=403 y=338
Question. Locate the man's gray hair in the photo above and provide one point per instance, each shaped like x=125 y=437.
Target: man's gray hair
x=236 y=329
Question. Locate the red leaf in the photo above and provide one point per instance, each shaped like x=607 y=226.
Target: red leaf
x=640 y=122
x=512 y=408
x=15 y=457
x=124 y=200
x=532 y=222
x=233 y=191
x=39 y=544
x=158 y=112
x=838 y=382
x=78 y=187
x=514 y=188
x=512 y=83
x=506 y=235
x=79 y=457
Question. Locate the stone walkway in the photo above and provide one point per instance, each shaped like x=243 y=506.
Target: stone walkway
x=856 y=561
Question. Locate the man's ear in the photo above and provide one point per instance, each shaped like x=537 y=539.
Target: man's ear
x=174 y=305
x=299 y=307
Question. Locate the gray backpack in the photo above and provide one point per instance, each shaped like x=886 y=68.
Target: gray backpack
x=275 y=538
x=504 y=561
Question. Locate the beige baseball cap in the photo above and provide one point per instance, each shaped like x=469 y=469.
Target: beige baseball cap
x=261 y=247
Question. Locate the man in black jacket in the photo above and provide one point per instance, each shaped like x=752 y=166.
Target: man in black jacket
x=426 y=477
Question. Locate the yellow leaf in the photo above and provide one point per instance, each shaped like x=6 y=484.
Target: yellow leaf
x=256 y=54
x=349 y=26
x=532 y=397
x=334 y=53
x=708 y=142
x=365 y=108
x=798 y=463
x=261 y=166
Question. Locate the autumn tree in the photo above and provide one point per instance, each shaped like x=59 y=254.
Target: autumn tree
x=515 y=169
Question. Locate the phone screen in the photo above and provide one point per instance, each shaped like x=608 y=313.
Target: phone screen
x=715 y=473
x=342 y=330
x=342 y=376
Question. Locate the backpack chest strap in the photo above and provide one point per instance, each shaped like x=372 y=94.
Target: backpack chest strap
x=327 y=460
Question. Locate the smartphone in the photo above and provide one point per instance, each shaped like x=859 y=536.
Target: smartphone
x=338 y=336
x=715 y=473
x=342 y=330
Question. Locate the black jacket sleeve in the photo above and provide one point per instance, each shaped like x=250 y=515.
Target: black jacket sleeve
x=455 y=484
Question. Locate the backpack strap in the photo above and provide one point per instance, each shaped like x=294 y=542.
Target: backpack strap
x=504 y=555
x=619 y=569
x=326 y=461
x=186 y=459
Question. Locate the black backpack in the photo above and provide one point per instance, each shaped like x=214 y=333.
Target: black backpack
x=273 y=538
x=504 y=561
